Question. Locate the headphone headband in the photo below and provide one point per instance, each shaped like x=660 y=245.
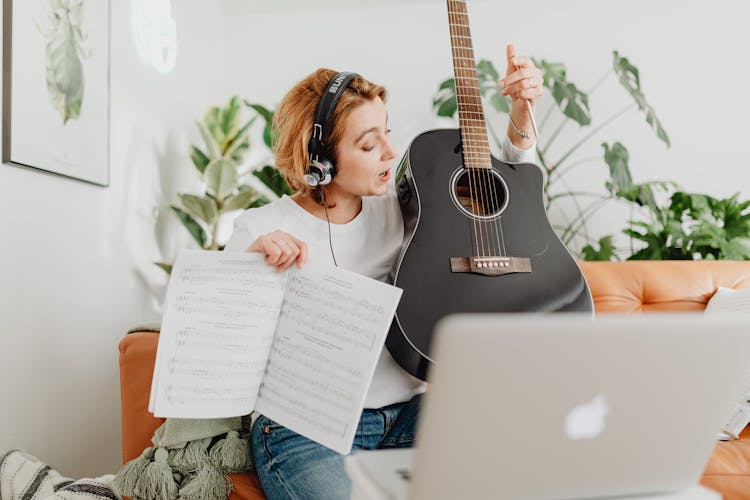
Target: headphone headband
x=327 y=104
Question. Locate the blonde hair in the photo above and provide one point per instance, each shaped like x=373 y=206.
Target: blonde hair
x=294 y=118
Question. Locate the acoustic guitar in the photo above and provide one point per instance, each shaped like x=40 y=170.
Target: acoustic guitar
x=476 y=233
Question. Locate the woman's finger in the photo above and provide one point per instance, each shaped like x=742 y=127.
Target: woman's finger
x=520 y=75
x=289 y=252
x=530 y=94
x=523 y=84
x=273 y=252
x=302 y=258
x=522 y=62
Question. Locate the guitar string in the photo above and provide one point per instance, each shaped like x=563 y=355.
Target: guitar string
x=488 y=183
x=475 y=153
x=486 y=191
x=478 y=229
x=488 y=178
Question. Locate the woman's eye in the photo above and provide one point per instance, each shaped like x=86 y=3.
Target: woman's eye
x=368 y=148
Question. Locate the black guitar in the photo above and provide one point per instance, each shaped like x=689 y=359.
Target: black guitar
x=476 y=234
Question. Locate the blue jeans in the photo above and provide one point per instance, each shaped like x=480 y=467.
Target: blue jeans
x=291 y=466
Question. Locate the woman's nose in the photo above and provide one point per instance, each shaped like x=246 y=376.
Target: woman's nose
x=390 y=152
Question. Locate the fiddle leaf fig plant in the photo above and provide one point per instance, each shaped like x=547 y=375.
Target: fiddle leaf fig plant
x=226 y=142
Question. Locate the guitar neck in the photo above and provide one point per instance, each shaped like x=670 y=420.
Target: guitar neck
x=476 y=148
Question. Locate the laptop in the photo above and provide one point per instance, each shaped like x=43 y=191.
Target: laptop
x=561 y=406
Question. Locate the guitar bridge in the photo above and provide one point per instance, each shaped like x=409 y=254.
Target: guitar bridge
x=491 y=266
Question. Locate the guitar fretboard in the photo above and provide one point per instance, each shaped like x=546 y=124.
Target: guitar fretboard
x=476 y=148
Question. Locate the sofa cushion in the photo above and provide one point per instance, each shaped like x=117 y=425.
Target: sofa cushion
x=657 y=285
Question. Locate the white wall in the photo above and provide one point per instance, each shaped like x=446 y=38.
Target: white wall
x=689 y=54
x=75 y=258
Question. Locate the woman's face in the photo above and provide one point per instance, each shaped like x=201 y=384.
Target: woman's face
x=364 y=156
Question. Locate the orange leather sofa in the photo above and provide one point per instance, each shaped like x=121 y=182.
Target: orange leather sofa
x=632 y=287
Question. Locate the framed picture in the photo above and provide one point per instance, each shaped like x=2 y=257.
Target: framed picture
x=56 y=86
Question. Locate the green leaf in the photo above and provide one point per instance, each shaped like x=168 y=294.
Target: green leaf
x=572 y=102
x=272 y=178
x=444 y=101
x=199 y=207
x=736 y=249
x=629 y=78
x=617 y=157
x=221 y=178
x=239 y=201
x=211 y=144
x=267 y=114
x=239 y=143
x=605 y=251
x=237 y=147
x=259 y=202
x=195 y=229
x=230 y=117
x=487 y=76
x=212 y=120
x=167 y=268
x=200 y=160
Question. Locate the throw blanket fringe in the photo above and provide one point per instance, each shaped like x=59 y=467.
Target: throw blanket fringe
x=191 y=460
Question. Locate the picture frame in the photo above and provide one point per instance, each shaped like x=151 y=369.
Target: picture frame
x=56 y=87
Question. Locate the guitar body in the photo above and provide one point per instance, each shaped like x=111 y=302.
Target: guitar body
x=436 y=230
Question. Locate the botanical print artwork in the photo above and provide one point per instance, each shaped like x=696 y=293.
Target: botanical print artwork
x=65 y=54
x=56 y=92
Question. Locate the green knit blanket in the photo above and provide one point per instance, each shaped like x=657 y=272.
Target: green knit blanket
x=191 y=458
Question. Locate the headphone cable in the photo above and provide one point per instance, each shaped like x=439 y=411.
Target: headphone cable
x=325 y=207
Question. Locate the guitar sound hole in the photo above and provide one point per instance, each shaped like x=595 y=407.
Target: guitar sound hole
x=479 y=193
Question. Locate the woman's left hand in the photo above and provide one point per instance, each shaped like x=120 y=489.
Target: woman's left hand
x=523 y=80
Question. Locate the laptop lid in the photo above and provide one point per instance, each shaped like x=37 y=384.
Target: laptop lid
x=562 y=406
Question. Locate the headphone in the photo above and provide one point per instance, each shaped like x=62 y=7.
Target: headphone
x=321 y=169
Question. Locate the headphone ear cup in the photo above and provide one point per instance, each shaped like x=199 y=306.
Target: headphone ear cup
x=329 y=171
x=313 y=175
x=320 y=173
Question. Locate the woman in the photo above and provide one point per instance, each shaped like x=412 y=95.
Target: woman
x=354 y=222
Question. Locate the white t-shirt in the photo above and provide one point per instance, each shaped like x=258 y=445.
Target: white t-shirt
x=368 y=245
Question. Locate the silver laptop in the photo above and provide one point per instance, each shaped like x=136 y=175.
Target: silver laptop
x=561 y=406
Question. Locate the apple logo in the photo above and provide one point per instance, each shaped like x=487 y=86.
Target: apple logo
x=586 y=421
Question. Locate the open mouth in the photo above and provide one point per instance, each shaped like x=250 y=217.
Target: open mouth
x=385 y=174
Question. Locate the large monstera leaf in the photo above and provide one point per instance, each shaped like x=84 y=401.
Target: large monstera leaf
x=572 y=102
x=629 y=78
x=65 y=53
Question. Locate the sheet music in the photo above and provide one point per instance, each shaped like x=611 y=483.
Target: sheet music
x=331 y=331
x=220 y=315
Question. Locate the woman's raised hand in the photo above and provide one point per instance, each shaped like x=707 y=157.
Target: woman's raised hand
x=523 y=80
x=281 y=249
